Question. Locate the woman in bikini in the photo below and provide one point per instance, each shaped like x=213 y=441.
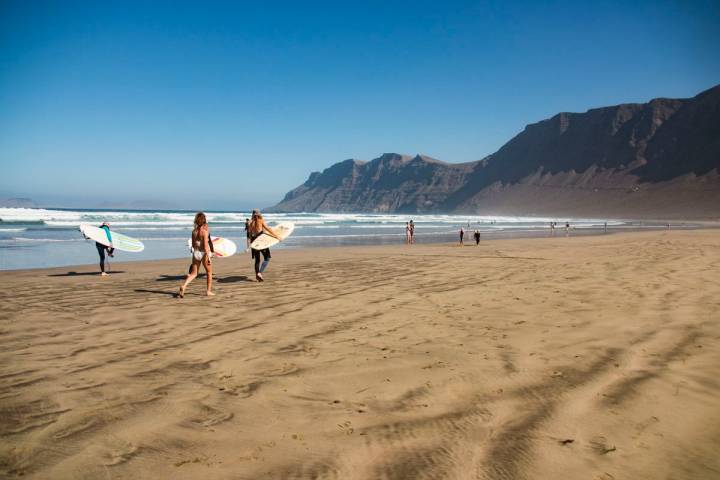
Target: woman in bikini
x=257 y=227
x=200 y=254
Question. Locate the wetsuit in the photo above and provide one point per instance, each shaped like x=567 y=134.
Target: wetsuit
x=255 y=254
x=102 y=248
x=477 y=238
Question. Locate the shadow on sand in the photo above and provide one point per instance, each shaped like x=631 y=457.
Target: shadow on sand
x=172 y=278
x=157 y=292
x=180 y=278
x=233 y=279
x=82 y=274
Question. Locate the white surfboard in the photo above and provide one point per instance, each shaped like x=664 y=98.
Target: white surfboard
x=119 y=241
x=222 y=247
x=283 y=229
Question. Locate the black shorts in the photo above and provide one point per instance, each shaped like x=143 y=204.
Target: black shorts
x=265 y=253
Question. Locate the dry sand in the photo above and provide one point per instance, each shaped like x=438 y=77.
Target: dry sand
x=579 y=358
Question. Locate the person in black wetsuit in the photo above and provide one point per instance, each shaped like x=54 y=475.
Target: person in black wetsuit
x=462 y=234
x=257 y=227
x=477 y=237
x=103 y=248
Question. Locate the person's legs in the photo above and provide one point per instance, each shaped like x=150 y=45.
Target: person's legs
x=194 y=268
x=266 y=259
x=101 y=252
x=208 y=270
x=256 y=257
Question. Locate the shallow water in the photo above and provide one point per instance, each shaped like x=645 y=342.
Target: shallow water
x=35 y=238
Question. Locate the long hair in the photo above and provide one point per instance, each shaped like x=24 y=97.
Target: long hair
x=200 y=220
x=256 y=222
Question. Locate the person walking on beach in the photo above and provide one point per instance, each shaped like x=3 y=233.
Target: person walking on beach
x=477 y=237
x=407 y=232
x=247 y=233
x=201 y=254
x=605 y=228
x=552 y=229
x=567 y=229
x=102 y=249
x=257 y=227
x=462 y=234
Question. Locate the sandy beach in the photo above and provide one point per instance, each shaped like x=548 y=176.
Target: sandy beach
x=593 y=358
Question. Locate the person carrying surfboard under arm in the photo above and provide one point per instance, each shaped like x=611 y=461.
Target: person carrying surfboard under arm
x=257 y=227
x=102 y=248
x=200 y=254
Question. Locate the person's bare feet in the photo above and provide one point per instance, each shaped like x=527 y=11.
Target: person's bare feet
x=259 y=277
x=181 y=292
x=103 y=274
x=210 y=294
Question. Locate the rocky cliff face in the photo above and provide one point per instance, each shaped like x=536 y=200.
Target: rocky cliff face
x=661 y=158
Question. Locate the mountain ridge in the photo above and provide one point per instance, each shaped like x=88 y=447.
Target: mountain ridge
x=627 y=158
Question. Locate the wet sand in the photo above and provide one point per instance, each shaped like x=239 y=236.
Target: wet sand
x=593 y=357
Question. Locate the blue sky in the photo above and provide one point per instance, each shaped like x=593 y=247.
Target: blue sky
x=231 y=104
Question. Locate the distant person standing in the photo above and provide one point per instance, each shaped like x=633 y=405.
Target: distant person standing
x=477 y=237
x=462 y=234
x=247 y=233
x=567 y=229
x=605 y=228
x=552 y=229
x=102 y=248
x=412 y=232
x=407 y=232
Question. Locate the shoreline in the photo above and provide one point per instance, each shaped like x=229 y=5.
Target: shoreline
x=504 y=235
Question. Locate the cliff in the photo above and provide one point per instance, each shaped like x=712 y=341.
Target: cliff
x=659 y=158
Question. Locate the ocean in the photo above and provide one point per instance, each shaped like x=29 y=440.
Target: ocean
x=38 y=237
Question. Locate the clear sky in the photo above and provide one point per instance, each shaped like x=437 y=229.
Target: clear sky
x=231 y=104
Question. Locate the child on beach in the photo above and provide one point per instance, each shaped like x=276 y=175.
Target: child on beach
x=200 y=254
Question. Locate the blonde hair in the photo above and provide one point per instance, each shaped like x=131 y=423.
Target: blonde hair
x=255 y=222
x=200 y=220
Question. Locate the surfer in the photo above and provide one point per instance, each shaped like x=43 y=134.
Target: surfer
x=477 y=237
x=257 y=227
x=462 y=234
x=201 y=253
x=102 y=248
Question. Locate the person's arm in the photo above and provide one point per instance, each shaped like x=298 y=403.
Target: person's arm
x=270 y=231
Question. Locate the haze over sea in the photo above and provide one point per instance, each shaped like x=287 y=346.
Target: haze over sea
x=34 y=238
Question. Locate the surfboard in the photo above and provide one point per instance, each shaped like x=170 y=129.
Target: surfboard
x=283 y=229
x=222 y=247
x=119 y=241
